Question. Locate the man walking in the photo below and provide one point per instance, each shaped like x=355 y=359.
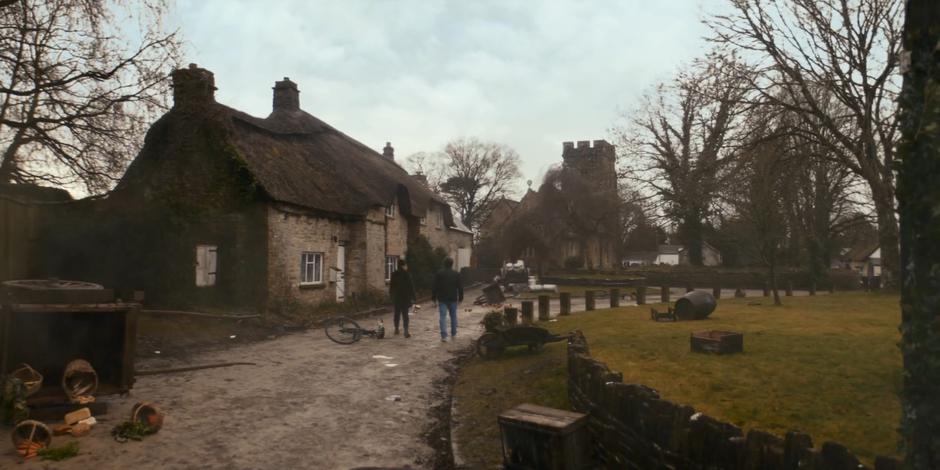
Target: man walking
x=447 y=292
x=402 y=291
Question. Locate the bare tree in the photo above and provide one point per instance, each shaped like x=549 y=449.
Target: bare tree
x=80 y=80
x=806 y=52
x=681 y=145
x=473 y=176
x=919 y=201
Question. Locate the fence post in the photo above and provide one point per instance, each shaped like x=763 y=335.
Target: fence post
x=641 y=295
x=812 y=288
x=527 y=311
x=664 y=294
x=614 y=298
x=543 y=307
x=512 y=315
x=565 y=299
x=716 y=292
x=789 y=288
x=589 y=300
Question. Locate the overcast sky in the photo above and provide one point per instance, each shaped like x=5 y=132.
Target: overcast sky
x=530 y=74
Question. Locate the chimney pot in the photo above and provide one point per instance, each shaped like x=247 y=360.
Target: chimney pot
x=389 y=151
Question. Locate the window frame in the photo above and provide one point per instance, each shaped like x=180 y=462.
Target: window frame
x=440 y=218
x=309 y=258
x=390 y=210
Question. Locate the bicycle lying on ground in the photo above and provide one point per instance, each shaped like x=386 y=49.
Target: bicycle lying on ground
x=345 y=330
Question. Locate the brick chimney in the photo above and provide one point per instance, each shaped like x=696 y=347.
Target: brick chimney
x=193 y=87
x=423 y=179
x=389 y=151
x=286 y=96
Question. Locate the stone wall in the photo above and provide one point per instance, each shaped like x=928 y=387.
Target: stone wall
x=289 y=235
x=633 y=428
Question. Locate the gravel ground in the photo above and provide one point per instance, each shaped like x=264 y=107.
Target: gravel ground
x=308 y=403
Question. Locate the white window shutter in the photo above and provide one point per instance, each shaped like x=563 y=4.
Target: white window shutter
x=212 y=264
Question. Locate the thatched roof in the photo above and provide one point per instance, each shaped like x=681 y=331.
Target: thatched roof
x=292 y=156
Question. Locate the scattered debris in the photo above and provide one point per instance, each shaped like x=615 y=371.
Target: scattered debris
x=57 y=454
x=156 y=352
x=231 y=337
x=393 y=398
x=379 y=356
x=391 y=365
x=134 y=431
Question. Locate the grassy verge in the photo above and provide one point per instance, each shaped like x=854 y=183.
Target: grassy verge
x=826 y=365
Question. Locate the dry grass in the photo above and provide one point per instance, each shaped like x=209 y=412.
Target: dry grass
x=826 y=365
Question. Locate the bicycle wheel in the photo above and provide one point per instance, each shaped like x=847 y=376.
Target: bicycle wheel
x=343 y=330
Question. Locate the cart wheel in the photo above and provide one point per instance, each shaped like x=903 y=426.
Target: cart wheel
x=489 y=346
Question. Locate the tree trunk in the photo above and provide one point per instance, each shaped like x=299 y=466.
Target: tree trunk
x=773 y=283
x=888 y=242
x=692 y=239
x=919 y=206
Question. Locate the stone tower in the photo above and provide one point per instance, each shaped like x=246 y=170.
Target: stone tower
x=596 y=163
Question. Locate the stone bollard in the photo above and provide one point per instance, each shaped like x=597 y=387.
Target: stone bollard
x=614 y=298
x=766 y=290
x=565 y=300
x=812 y=288
x=544 y=307
x=716 y=292
x=641 y=295
x=589 y=300
x=512 y=315
x=789 y=289
x=528 y=311
x=739 y=293
x=664 y=294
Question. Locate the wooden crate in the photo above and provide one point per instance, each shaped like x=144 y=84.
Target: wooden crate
x=536 y=437
x=718 y=342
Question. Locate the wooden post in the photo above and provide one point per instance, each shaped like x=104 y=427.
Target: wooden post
x=544 y=307
x=614 y=298
x=789 y=288
x=528 y=311
x=512 y=315
x=565 y=299
x=589 y=300
x=641 y=295
x=664 y=294
x=716 y=292
x=812 y=288
x=766 y=289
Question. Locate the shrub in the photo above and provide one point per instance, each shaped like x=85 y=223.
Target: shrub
x=423 y=261
x=493 y=320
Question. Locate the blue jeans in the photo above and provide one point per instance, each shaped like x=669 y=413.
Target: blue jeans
x=444 y=308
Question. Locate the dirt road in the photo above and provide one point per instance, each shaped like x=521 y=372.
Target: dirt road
x=308 y=403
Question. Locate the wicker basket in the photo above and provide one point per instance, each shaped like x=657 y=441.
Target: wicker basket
x=79 y=379
x=30 y=377
x=149 y=414
x=31 y=430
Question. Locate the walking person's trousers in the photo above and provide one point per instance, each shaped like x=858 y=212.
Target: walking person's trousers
x=401 y=311
x=445 y=308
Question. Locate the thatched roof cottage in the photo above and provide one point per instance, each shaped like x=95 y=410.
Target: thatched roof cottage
x=221 y=208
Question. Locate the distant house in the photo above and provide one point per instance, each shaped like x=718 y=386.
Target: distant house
x=679 y=255
x=498 y=218
x=864 y=259
x=639 y=258
x=224 y=209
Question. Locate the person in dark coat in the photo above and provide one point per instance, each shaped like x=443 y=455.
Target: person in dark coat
x=447 y=292
x=402 y=291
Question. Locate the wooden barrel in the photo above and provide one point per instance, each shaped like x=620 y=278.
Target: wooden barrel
x=79 y=379
x=695 y=305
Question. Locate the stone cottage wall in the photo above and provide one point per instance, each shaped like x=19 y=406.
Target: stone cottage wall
x=633 y=428
x=289 y=235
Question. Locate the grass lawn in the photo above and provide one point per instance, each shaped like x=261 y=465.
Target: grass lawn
x=826 y=365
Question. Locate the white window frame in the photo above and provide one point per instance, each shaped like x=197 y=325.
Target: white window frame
x=390 y=210
x=207 y=264
x=391 y=265
x=440 y=218
x=311 y=264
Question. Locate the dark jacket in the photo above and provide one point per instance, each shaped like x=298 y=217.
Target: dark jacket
x=447 y=286
x=401 y=288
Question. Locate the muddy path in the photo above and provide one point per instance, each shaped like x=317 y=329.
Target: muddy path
x=308 y=403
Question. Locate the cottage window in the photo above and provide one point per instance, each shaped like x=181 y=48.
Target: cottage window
x=390 y=210
x=207 y=259
x=440 y=218
x=391 y=265
x=311 y=268
x=423 y=220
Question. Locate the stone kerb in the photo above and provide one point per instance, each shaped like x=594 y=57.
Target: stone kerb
x=632 y=427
